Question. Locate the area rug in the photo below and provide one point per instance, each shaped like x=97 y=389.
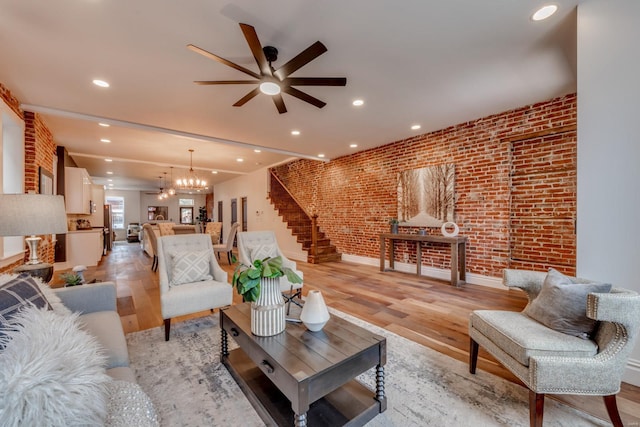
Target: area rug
x=190 y=387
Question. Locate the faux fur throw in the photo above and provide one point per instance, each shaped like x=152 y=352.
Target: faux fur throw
x=51 y=372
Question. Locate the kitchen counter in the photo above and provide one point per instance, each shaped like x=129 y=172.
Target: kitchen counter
x=89 y=230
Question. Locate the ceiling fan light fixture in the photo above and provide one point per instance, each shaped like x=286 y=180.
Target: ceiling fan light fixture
x=270 y=88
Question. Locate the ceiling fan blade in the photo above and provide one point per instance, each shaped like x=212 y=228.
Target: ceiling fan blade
x=300 y=60
x=316 y=81
x=226 y=82
x=256 y=48
x=277 y=99
x=222 y=60
x=247 y=97
x=304 y=96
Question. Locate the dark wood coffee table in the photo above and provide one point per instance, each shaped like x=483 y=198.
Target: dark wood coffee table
x=305 y=378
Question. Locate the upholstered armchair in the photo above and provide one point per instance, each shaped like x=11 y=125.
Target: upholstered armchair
x=190 y=278
x=166 y=228
x=254 y=245
x=561 y=356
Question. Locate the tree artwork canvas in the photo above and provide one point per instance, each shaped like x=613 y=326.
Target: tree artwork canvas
x=426 y=196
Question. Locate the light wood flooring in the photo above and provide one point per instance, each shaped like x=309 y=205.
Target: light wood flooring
x=428 y=311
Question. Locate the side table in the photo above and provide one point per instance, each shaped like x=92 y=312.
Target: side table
x=43 y=270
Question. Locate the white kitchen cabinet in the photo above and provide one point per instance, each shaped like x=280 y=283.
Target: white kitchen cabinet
x=77 y=190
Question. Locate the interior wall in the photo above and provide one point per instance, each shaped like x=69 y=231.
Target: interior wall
x=172 y=204
x=261 y=213
x=356 y=195
x=608 y=147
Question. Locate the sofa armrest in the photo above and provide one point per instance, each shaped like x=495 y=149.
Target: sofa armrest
x=89 y=298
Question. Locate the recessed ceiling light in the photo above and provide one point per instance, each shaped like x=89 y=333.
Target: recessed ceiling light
x=108 y=160
x=110 y=185
x=295 y=132
x=100 y=83
x=353 y=145
x=105 y=140
x=110 y=180
x=544 y=12
x=214 y=172
x=109 y=173
x=239 y=159
x=104 y=125
x=320 y=155
x=415 y=127
x=257 y=151
x=358 y=102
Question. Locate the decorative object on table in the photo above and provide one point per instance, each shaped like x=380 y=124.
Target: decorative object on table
x=71 y=279
x=314 y=312
x=393 y=222
x=422 y=232
x=260 y=284
x=445 y=229
x=426 y=196
x=32 y=215
x=79 y=270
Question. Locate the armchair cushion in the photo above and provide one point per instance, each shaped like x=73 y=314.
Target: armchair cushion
x=263 y=251
x=562 y=304
x=189 y=267
x=505 y=330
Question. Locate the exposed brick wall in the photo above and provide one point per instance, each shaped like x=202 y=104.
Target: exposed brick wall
x=40 y=150
x=354 y=196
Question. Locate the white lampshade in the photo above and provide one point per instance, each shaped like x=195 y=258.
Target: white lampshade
x=32 y=215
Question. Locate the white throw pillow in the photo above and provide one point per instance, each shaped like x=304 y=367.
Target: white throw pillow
x=51 y=372
x=263 y=251
x=189 y=267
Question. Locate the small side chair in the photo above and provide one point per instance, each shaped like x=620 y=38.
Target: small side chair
x=227 y=246
x=548 y=361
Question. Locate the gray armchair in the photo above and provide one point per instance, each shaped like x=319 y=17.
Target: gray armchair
x=552 y=362
x=190 y=278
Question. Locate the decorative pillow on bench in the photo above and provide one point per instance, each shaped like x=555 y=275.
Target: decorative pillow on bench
x=562 y=304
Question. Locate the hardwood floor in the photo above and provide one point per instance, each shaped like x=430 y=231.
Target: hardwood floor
x=428 y=311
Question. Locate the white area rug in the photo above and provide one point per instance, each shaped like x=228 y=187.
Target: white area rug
x=190 y=387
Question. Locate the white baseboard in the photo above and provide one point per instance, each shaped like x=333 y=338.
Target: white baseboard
x=632 y=372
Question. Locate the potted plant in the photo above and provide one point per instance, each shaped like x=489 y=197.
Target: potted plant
x=393 y=222
x=259 y=283
x=71 y=279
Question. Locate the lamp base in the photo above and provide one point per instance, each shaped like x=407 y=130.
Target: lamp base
x=33 y=242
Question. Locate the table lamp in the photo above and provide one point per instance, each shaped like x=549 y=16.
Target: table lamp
x=32 y=215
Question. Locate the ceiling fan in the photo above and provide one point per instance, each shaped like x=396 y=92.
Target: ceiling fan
x=273 y=81
x=162 y=194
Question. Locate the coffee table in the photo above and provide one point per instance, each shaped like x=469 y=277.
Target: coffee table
x=305 y=378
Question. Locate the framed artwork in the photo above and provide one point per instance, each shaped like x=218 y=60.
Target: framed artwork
x=426 y=196
x=157 y=213
x=186 y=215
x=46 y=181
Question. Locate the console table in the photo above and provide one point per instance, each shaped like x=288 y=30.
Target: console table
x=458 y=252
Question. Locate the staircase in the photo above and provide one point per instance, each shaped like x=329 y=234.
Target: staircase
x=301 y=224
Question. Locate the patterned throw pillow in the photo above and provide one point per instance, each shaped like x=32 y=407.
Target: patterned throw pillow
x=562 y=304
x=17 y=293
x=189 y=267
x=263 y=251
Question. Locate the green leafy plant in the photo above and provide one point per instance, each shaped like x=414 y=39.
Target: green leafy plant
x=71 y=279
x=394 y=221
x=246 y=278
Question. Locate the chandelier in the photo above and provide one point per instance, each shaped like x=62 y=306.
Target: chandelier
x=191 y=181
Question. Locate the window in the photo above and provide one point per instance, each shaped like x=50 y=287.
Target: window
x=11 y=173
x=117 y=212
x=185 y=202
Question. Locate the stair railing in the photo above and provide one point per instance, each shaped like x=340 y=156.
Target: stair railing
x=312 y=217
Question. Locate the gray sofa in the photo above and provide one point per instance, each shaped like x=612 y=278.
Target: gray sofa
x=97 y=303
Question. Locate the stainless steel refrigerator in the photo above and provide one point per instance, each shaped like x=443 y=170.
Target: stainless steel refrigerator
x=108 y=231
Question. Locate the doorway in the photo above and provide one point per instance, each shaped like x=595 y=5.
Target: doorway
x=243 y=203
x=234 y=216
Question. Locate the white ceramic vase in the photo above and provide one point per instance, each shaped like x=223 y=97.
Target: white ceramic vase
x=268 y=312
x=314 y=312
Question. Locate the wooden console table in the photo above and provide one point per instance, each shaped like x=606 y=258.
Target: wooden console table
x=458 y=252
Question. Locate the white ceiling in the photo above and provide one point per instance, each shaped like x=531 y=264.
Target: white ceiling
x=435 y=63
